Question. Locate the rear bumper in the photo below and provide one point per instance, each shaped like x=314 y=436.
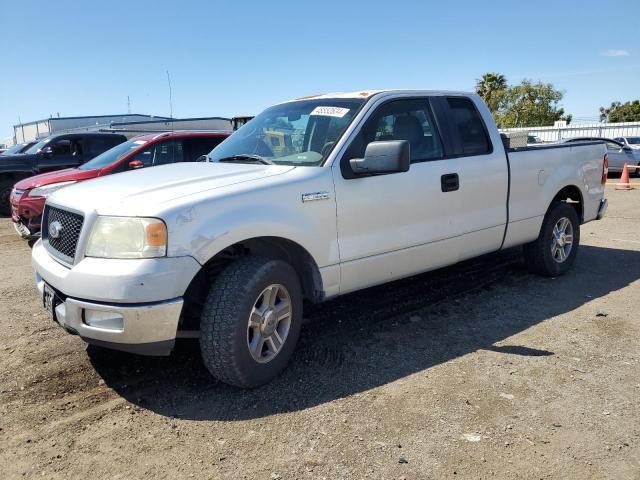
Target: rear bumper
x=146 y=329
x=602 y=209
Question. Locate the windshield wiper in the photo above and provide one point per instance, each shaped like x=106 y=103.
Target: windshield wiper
x=245 y=157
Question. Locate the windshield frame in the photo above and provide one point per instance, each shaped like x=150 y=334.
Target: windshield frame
x=357 y=109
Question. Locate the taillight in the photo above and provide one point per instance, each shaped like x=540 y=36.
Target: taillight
x=605 y=169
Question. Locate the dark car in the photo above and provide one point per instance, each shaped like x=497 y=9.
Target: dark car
x=53 y=153
x=18 y=148
x=29 y=195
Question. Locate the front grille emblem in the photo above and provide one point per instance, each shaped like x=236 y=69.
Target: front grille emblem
x=55 y=229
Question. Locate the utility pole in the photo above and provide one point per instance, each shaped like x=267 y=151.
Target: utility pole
x=128 y=105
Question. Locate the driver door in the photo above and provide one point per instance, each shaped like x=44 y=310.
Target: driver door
x=390 y=226
x=61 y=153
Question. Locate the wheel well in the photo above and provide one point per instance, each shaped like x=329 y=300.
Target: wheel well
x=269 y=247
x=571 y=195
x=15 y=176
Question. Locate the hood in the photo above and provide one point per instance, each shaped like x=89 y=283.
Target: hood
x=148 y=189
x=66 y=175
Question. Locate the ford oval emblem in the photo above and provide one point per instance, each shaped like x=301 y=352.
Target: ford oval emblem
x=55 y=229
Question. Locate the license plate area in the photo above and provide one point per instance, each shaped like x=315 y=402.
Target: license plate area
x=49 y=301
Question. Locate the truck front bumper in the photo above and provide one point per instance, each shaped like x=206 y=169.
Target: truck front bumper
x=145 y=329
x=130 y=305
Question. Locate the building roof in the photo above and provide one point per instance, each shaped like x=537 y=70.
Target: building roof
x=124 y=115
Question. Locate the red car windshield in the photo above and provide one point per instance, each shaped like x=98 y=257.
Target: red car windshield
x=113 y=155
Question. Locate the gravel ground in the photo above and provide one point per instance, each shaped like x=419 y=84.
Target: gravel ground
x=480 y=370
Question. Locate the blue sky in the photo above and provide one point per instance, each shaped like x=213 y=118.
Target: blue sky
x=228 y=58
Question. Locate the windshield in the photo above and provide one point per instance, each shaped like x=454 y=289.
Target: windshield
x=14 y=149
x=296 y=133
x=113 y=155
x=633 y=140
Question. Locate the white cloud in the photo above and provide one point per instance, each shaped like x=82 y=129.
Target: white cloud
x=615 y=53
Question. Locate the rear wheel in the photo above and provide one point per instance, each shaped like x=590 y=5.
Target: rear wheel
x=636 y=172
x=555 y=249
x=251 y=321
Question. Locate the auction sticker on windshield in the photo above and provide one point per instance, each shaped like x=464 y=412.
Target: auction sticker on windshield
x=330 y=111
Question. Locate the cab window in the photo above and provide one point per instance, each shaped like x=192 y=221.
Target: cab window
x=468 y=127
x=409 y=120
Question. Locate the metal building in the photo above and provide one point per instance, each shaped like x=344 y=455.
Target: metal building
x=25 y=132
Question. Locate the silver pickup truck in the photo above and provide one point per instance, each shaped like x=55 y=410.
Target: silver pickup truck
x=313 y=198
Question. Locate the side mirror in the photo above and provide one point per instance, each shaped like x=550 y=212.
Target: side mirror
x=203 y=158
x=627 y=148
x=391 y=156
x=135 y=164
x=47 y=152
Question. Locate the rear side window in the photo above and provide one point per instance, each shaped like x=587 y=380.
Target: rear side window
x=468 y=125
x=95 y=146
x=196 y=147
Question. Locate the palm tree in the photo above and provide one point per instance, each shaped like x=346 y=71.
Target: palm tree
x=489 y=88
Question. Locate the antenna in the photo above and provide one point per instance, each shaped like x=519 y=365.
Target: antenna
x=170 y=97
x=128 y=105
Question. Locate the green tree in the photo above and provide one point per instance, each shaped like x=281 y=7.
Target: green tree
x=490 y=87
x=621 y=112
x=530 y=105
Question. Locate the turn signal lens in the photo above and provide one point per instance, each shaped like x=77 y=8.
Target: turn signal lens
x=156 y=235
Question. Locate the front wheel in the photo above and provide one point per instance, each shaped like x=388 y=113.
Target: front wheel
x=5 y=191
x=251 y=321
x=555 y=249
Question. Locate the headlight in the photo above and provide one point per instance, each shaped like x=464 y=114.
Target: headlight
x=127 y=237
x=46 y=190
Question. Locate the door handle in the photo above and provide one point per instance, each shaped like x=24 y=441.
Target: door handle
x=449 y=182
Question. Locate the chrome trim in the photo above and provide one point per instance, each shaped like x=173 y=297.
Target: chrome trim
x=143 y=323
x=602 y=209
x=314 y=196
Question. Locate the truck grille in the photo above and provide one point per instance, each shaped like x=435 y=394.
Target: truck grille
x=67 y=229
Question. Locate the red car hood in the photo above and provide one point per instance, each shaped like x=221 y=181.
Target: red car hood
x=65 y=175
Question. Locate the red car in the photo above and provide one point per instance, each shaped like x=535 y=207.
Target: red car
x=28 y=195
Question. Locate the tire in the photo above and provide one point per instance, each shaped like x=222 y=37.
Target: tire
x=540 y=256
x=5 y=191
x=636 y=171
x=227 y=338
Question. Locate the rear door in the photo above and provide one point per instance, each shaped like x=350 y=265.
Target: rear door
x=481 y=212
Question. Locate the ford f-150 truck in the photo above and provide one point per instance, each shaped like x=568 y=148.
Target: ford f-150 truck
x=313 y=198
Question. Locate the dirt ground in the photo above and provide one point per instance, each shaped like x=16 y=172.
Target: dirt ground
x=480 y=370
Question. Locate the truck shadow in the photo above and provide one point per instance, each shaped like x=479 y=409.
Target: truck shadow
x=380 y=335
